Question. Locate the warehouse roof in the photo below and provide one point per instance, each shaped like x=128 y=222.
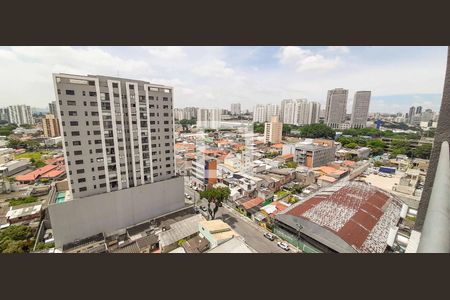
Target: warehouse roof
x=355 y=212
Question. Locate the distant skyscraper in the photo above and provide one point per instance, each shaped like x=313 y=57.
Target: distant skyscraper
x=412 y=112
x=313 y=112
x=418 y=110
x=273 y=131
x=360 y=110
x=272 y=110
x=289 y=111
x=427 y=115
x=50 y=125
x=259 y=114
x=336 y=107
x=178 y=114
x=20 y=114
x=52 y=108
x=208 y=118
x=235 y=109
x=4 y=114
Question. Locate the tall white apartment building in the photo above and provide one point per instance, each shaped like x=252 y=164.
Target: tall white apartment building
x=272 y=110
x=300 y=112
x=336 y=107
x=259 y=113
x=117 y=133
x=178 y=114
x=208 y=118
x=313 y=112
x=52 y=108
x=20 y=114
x=235 y=109
x=360 y=110
x=190 y=113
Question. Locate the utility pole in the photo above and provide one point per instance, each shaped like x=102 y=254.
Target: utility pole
x=299 y=227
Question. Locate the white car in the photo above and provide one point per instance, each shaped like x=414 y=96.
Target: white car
x=283 y=246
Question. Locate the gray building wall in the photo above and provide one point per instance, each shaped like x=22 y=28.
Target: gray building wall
x=442 y=134
x=360 y=109
x=118 y=133
x=336 y=107
x=110 y=212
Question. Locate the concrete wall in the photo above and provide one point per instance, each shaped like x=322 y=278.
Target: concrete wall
x=109 y=212
x=442 y=134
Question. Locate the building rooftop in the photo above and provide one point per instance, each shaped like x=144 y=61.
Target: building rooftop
x=214 y=226
x=252 y=202
x=327 y=178
x=24 y=211
x=33 y=175
x=180 y=230
x=234 y=245
x=357 y=214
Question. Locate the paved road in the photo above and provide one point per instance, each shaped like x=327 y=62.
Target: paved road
x=251 y=232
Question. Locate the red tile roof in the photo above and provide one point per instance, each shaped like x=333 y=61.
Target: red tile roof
x=33 y=175
x=287 y=156
x=252 y=202
x=358 y=213
x=277 y=146
x=54 y=173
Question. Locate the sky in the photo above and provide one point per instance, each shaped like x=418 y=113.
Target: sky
x=215 y=77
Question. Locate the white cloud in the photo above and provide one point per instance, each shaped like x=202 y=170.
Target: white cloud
x=339 y=49
x=219 y=76
x=304 y=59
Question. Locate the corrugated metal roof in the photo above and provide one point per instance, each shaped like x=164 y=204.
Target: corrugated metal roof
x=358 y=213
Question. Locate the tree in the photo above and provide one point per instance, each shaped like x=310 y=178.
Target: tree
x=376 y=146
x=215 y=196
x=423 y=151
x=317 y=131
x=291 y=164
x=296 y=189
x=16 y=239
x=258 y=127
x=351 y=145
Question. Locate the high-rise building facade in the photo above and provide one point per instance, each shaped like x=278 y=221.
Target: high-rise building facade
x=419 y=110
x=300 y=112
x=235 y=109
x=360 y=110
x=4 y=114
x=411 y=114
x=272 y=110
x=208 y=118
x=259 y=114
x=313 y=112
x=52 y=108
x=336 y=107
x=50 y=125
x=20 y=114
x=117 y=133
x=273 y=131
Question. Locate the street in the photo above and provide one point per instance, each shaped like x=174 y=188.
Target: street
x=251 y=232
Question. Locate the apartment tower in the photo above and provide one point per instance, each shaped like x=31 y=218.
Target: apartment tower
x=360 y=110
x=273 y=131
x=50 y=125
x=117 y=133
x=20 y=114
x=336 y=107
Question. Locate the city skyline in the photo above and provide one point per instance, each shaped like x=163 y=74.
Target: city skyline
x=208 y=76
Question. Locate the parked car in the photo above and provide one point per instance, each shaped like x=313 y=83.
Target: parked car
x=203 y=208
x=283 y=246
x=269 y=236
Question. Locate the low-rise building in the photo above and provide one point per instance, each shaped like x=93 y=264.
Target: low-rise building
x=216 y=232
x=347 y=217
x=24 y=214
